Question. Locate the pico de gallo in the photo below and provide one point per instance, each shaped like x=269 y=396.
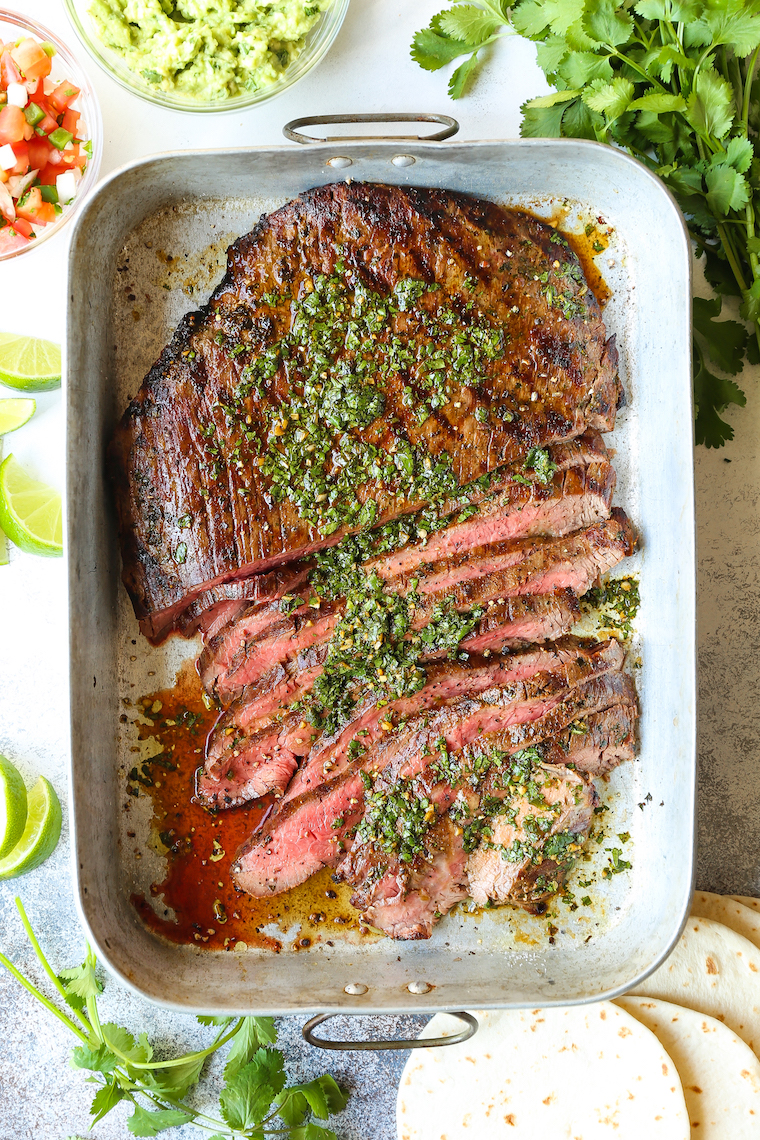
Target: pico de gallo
x=44 y=146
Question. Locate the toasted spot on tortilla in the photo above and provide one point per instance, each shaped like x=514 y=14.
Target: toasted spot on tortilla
x=510 y=1119
x=711 y=966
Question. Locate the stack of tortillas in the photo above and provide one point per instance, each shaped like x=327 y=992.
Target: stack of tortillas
x=674 y=1059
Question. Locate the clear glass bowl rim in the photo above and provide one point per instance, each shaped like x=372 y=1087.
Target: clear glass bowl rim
x=92 y=117
x=324 y=32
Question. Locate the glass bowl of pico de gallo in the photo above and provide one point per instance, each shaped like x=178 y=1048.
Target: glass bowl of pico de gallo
x=51 y=134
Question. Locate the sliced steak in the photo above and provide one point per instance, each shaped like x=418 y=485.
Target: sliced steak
x=405 y=273
x=256 y=745
x=405 y=900
x=573 y=499
x=530 y=566
x=529 y=843
x=526 y=678
x=314 y=830
x=596 y=744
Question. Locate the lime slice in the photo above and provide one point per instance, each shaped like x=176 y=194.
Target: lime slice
x=3 y=549
x=30 y=364
x=40 y=835
x=30 y=512
x=15 y=413
x=12 y=806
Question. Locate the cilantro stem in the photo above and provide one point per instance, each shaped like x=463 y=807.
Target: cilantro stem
x=748 y=88
x=730 y=252
x=42 y=999
x=45 y=964
x=184 y=1059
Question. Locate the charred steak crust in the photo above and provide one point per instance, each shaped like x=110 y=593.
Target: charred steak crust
x=195 y=507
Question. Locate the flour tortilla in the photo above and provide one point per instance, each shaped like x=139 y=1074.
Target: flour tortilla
x=723 y=908
x=715 y=971
x=719 y=1073
x=748 y=900
x=588 y=1072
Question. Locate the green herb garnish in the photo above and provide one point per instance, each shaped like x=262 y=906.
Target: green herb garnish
x=255 y=1101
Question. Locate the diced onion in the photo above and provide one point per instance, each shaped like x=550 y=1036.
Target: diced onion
x=18 y=184
x=7 y=208
x=17 y=94
x=7 y=157
x=66 y=185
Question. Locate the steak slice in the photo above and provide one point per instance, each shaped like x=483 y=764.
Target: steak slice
x=464 y=582
x=314 y=830
x=596 y=744
x=405 y=900
x=532 y=566
x=527 y=678
x=349 y=281
x=255 y=746
x=530 y=844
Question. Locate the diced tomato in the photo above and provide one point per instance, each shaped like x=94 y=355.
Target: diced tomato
x=31 y=59
x=10 y=240
x=70 y=122
x=39 y=152
x=21 y=151
x=9 y=73
x=47 y=124
x=46 y=214
x=28 y=131
x=34 y=209
x=37 y=92
x=48 y=175
x=12 y=123
x=64 y=94
x=23 y=227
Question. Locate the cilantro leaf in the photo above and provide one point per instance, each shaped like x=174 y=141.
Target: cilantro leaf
x=711 y=104
x=80 y=983
x=726 y=190
x=468 y=23
x=607 y=23
x=245 y=1101
x=144 y=1123
x=750 y=306
x=433 y=51
x=213 y=1019
x=729 y=23
x=123 y=1044
x=312 y=1131
x=726 y=340
x=584 y=66
x=174 y=1082
x=713 y=395
x=464 y=73
x=610 y=98
x=253 y=1033
x=541 y=122
x=550 y=54
x=739 y=154
x=658 y=101
x=105 y=1099
x=673 y=10
x=100 y=1060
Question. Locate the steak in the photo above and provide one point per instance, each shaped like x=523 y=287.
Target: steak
x=315 y=829
x=530 y=845
x=252 y=751
x=369 y=349
x=462 y=582
x=596 y=744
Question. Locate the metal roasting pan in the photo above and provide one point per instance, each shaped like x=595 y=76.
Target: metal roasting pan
x=195 y=202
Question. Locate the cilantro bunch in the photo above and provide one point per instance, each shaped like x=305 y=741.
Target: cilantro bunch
x=674 y=82
x=254 y=1103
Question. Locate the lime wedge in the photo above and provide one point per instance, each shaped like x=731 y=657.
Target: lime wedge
x=30 y=512
x=12 y=806
x=28 y=363
x=41 y=832
x=15 y=413
x=3 y=549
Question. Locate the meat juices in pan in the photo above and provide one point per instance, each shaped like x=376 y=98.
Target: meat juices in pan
x=370 y=474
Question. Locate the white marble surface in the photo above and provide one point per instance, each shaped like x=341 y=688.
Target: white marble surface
x=368 y=70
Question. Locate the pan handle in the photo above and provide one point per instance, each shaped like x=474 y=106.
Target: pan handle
x=292 y=132
x=471 y=1028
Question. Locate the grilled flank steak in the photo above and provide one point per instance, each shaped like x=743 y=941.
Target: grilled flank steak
x=370 y=349
x=369 y=473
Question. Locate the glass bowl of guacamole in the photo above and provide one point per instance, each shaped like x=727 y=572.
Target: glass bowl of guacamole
x=207 y=55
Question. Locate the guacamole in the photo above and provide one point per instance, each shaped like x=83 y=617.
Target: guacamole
x=206 y=49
